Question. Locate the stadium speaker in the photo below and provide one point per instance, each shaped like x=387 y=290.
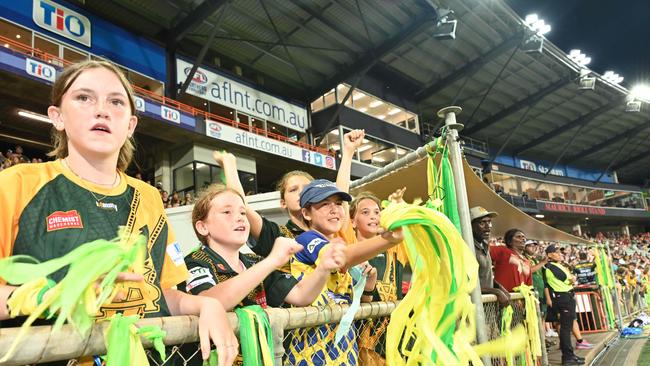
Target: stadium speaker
x=446 y=26
x=633 y=106
x=587 y=83
x=534 y=44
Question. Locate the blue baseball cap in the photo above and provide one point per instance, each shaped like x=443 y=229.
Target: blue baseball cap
x=319 y=190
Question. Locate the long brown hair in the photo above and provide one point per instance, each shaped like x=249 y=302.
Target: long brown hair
x=282 y=184
x=204 y=202
x=354 y=205
x=61 y=86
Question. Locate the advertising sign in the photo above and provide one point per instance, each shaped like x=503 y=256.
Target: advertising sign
x=62 y=21
x=244 y=138
x=226 y=91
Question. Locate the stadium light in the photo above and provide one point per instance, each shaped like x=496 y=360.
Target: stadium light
x=535 y=42
x=536 y=24
x=641 y=92
x=34 y=116
x=613 y=77
x=580 y=58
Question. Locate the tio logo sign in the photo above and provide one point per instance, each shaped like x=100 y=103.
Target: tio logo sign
x=40 y=70
x=62 y=21
x=170 y=114
x=139 y=104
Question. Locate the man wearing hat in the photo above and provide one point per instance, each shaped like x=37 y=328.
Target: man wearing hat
x=481 y=227
x=560 y=297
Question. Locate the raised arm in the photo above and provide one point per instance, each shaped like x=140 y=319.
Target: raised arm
x=351 y=141
x=228 y=163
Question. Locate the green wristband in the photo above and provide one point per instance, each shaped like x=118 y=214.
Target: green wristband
x=39 y=298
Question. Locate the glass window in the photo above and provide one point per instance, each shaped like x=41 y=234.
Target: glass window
x=48 y=47
x=331 y=141
x=329 y=99
x=203 y=175
x=15 y=33
x=148 y=83
x=73 y=56
x=260 y=125
x=248 y=182
x=277 y=129
x=318 y=104
x=243 y=118
x=341 y=91
x=184 y=178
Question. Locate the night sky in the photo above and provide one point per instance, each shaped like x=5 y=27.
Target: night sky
x=615 y=34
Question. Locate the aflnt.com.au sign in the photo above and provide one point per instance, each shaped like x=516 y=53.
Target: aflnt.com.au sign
x=225 y=91
x=244 y=138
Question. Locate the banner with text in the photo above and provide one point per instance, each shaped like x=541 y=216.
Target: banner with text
x=589 y=210
x=225 y=91
x=244 y=138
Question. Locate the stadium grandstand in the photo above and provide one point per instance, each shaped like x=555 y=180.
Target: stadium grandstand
x=464 y=103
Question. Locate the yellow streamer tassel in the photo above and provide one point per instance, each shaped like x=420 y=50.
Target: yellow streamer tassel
x=444 y=274
x=534 y=347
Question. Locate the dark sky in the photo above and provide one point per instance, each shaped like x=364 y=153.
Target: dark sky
x=615 y=34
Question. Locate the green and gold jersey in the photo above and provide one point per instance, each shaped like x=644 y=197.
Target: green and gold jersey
x=47 y=211
x=207 y=268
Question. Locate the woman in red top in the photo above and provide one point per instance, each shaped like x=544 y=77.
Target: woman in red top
x=511 y=268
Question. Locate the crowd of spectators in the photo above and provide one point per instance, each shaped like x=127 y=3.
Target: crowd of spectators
x=629 y=255
x=14 y=157
x=175 y=199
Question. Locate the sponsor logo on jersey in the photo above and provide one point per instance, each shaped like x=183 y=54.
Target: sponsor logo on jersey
x=315 y=243
x=175 y=254
x=64 y=220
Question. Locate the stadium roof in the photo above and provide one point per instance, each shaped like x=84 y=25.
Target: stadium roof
x=525 y=104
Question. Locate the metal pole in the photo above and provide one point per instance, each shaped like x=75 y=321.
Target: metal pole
x=618 y=306
x=456 y=160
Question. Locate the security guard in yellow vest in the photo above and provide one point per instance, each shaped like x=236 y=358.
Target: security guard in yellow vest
x=559 y=282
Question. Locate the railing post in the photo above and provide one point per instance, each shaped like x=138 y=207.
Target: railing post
x=542 y=335
x=278 y=319
x=456 y=160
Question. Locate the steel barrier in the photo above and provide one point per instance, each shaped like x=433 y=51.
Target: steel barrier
x=590 y=311
x=41 y=345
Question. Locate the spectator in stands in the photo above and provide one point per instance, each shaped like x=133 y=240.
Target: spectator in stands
x=188 y=200
x=481 y=228
x=165 y=197
x=365 y=211
x=511 y=267
x=585 y=270
x=93 y=119
x=19 y=154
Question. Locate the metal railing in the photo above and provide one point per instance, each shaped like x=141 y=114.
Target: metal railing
x=287 y=325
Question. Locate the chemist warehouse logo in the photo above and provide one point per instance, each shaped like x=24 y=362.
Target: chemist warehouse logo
x=62 y=21
x=64 y=220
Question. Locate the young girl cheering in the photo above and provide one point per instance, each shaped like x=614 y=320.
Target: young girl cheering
x=49 y=209
x=219 y=270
